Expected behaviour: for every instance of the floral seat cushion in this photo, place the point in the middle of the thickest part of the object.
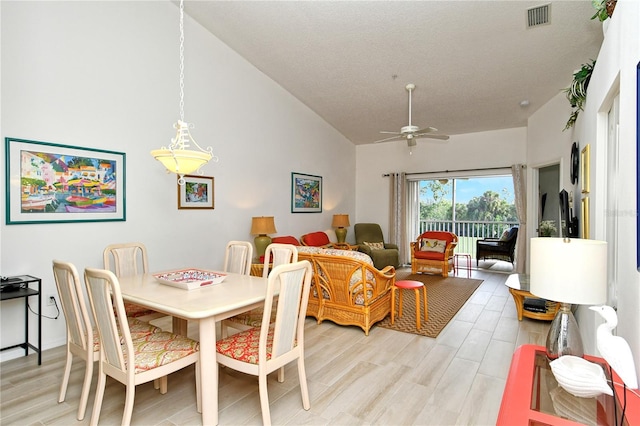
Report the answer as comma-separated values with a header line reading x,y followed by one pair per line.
x,y
243,346
157,349
137,329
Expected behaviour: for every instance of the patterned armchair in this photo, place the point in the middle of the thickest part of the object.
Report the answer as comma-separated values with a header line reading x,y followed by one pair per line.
x,y
433,251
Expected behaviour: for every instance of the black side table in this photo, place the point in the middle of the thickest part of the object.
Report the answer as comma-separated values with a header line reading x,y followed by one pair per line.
x,y
24,290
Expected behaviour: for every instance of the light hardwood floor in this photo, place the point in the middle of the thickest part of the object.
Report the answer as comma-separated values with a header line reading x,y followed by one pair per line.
x,y
386,378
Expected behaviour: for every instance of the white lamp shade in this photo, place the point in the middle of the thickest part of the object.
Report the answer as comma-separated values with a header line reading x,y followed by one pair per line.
x,y
569,270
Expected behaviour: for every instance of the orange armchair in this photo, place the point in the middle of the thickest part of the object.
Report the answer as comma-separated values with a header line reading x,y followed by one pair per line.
x,y
433,251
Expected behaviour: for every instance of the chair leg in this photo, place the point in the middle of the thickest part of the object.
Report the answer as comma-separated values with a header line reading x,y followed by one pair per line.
x,y
417,295
393,303
304,389
86,385
97,405
65,377
128,405
281,374
264,400
426,309
399,303
156,384
163,385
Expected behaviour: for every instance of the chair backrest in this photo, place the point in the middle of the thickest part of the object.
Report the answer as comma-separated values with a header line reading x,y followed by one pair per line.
x,y
237,258
369,232
104,294
78,322
278,254
128,259
292,281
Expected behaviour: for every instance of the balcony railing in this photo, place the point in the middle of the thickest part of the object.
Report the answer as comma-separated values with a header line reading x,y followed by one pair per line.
x,y
468,232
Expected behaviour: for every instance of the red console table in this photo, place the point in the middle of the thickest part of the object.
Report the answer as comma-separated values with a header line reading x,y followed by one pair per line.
x,y
532,396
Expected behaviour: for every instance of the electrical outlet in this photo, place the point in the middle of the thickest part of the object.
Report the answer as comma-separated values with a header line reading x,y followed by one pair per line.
x,y
51,300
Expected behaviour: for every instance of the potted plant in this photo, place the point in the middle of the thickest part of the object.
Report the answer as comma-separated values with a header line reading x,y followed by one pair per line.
x,y
577,91
604,9
547,228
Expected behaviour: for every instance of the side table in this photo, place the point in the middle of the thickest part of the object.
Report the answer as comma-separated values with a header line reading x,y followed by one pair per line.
x,y
456,262
519,288
24,290
532,396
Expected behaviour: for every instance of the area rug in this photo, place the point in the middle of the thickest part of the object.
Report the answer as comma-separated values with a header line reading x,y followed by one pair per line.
x,y
445,297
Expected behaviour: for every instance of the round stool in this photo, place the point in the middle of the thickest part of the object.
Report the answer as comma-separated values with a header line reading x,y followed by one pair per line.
x,y
409,285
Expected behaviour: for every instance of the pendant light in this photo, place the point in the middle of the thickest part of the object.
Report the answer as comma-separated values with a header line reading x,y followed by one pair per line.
x,y
177,158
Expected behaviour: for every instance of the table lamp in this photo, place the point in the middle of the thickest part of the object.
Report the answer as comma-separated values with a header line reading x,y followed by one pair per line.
x,y
340,222
261,226
568,271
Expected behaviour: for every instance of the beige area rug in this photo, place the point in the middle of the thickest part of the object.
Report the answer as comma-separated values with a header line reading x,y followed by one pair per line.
x,y
445,297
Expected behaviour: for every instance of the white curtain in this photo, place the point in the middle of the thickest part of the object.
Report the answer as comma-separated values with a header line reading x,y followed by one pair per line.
x,y
398,216
519,172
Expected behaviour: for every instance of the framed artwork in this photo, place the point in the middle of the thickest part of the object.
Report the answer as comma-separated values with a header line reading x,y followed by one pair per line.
x,y
585,217
53,183
585,156
196,193
306,193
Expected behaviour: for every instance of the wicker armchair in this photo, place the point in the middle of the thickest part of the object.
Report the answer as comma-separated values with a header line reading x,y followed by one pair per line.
x,y
338,293
502,248
433,251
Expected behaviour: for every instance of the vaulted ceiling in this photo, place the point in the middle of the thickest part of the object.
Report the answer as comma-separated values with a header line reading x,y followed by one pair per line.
x,y
473,62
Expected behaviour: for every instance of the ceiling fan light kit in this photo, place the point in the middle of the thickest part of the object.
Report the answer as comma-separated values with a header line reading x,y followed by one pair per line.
x,y
411,133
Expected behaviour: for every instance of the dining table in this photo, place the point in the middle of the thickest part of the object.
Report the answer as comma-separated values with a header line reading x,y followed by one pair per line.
x,y
206,305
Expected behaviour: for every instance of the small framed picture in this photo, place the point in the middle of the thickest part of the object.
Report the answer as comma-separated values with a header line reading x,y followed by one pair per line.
x,y
196,193
585,157
585,218
306,193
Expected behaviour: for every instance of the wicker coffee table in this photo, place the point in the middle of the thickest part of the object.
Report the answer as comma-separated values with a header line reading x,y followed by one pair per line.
x,y
519,288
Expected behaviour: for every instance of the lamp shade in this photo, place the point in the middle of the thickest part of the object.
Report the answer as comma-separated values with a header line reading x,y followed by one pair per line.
x,y
340,221
569,270
263,225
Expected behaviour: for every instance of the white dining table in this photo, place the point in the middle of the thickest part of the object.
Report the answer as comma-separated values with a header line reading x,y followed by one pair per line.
x,y
207,305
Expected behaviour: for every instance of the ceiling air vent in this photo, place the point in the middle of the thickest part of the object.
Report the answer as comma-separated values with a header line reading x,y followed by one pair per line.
x,y
539,15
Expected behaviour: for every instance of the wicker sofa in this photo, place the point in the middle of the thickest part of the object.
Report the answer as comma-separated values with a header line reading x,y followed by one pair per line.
x,y
337,287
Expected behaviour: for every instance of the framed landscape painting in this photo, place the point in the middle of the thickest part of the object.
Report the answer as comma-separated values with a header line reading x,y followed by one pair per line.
x,y
52,183
196,192
306,193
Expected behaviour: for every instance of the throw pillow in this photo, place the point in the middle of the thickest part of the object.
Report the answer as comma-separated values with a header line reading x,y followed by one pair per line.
x,y
374,246
505,235
429,244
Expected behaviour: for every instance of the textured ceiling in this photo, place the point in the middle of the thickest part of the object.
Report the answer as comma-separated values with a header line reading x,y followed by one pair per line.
x,y
472,62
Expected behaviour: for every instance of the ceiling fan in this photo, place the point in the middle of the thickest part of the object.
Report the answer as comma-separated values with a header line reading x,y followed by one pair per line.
x,y
411,133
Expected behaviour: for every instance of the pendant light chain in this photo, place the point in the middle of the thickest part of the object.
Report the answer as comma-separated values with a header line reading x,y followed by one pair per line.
x,y
181,60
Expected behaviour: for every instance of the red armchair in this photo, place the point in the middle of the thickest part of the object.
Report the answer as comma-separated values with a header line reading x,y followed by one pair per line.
x,y
433,251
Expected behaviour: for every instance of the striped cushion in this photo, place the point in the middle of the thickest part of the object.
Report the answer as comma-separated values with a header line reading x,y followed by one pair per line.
x,y
244,346
161,348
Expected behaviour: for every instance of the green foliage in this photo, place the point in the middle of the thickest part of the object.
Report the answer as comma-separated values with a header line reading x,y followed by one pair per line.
x,y
577,92
602,13
490,206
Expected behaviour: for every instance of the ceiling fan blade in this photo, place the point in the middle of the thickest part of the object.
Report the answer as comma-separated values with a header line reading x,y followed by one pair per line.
x,y
427,130
393,138
441,137
390,133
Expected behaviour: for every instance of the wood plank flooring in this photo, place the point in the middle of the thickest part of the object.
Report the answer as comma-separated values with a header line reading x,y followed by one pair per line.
x,y
385,378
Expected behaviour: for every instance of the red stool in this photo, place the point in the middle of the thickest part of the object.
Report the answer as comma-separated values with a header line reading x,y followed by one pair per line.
x,y
409,285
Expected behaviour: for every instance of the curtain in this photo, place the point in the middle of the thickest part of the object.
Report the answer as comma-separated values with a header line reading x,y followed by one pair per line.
x,y
520,188
398,217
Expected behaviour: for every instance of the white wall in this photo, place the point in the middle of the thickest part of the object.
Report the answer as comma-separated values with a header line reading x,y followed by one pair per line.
x,y
105,75
499,148
615,73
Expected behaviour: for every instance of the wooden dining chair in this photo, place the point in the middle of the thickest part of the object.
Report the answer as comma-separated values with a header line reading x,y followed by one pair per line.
x,y
276,254
82,337
260,351
124,260
132,362
237,257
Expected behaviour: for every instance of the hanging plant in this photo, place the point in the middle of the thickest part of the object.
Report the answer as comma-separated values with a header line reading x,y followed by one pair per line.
x,y
577,91
604,9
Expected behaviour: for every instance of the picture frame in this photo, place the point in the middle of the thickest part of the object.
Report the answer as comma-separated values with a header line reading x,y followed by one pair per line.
x,y
50,182
585,157
585,217
306,193
197,192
